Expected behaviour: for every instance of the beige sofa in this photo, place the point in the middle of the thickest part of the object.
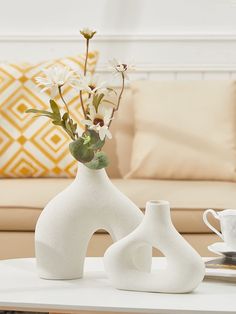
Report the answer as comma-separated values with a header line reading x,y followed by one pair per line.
x,y
22,200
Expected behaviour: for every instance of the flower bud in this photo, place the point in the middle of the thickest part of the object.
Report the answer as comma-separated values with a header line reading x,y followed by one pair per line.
x,y
87,33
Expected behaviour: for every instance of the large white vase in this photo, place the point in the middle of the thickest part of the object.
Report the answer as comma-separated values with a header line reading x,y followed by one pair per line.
x,y
184,268
67,223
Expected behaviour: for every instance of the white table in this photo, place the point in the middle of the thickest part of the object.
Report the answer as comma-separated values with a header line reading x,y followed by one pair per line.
x,y
22,289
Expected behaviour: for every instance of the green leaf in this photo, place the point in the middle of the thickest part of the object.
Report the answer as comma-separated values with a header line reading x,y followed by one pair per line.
x,y
65,116
80,151
39,111
112,90
68,126
95,142
109,102
43,115
100,97
74,127
65,122
86,139
97,98
99,161
95,101
71,135
56,122
55,109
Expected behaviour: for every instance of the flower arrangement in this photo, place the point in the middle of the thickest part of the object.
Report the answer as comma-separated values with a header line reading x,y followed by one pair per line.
x,y
98,109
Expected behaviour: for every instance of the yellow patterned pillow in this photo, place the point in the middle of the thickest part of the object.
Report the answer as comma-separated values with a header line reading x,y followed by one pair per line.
x,y
34,147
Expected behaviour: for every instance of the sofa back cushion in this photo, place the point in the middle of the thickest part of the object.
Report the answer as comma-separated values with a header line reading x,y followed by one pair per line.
x,y
32,147
119,148
184,130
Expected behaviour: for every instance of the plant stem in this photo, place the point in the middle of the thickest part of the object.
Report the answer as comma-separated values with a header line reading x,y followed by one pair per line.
x,y
121,92
86,57
82,104
68,111
85,72
119,98
63,100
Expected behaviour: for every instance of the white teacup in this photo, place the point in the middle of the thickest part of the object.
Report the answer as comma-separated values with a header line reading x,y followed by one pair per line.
x,y
227,220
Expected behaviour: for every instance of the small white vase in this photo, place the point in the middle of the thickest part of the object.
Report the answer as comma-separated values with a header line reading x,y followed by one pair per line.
x,y
67,223
184,267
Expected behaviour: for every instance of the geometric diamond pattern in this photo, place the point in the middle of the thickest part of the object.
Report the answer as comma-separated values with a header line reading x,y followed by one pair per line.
x,y
33,147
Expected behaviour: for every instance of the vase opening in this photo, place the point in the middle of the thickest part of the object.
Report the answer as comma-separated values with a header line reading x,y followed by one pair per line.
x,y
158,202
157,210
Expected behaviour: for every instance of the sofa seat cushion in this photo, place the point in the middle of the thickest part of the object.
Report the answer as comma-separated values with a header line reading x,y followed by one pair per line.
x,y
18,218
21,200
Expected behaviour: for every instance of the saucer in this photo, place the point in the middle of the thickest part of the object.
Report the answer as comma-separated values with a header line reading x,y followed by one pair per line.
x,y
221,248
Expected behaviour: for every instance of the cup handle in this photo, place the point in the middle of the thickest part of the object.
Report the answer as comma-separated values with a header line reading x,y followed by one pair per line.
x,y
211,211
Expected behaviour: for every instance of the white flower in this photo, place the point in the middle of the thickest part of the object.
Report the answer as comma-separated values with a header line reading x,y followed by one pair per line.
x,y
91,84
56,77
99,120
119,67
87,32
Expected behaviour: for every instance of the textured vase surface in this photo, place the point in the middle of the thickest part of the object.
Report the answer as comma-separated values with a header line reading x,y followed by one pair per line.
x,y
184,268
69,220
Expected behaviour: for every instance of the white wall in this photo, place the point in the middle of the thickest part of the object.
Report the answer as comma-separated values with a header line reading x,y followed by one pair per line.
x,y
178,39
117,16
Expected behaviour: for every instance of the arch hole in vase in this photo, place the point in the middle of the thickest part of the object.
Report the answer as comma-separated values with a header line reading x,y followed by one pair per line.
x,y
160,266
155,252
100,239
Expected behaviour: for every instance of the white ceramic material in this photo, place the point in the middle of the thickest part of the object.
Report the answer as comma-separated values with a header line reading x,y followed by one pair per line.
x,y
221,248
227,220
67,223
184,268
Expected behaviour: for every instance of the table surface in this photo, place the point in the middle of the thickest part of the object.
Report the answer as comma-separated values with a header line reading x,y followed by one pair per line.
x,y
21,288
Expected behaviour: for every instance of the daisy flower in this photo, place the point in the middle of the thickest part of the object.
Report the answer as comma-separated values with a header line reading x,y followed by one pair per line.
x,y
87,33
91,84
119,67
99,120
56,77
